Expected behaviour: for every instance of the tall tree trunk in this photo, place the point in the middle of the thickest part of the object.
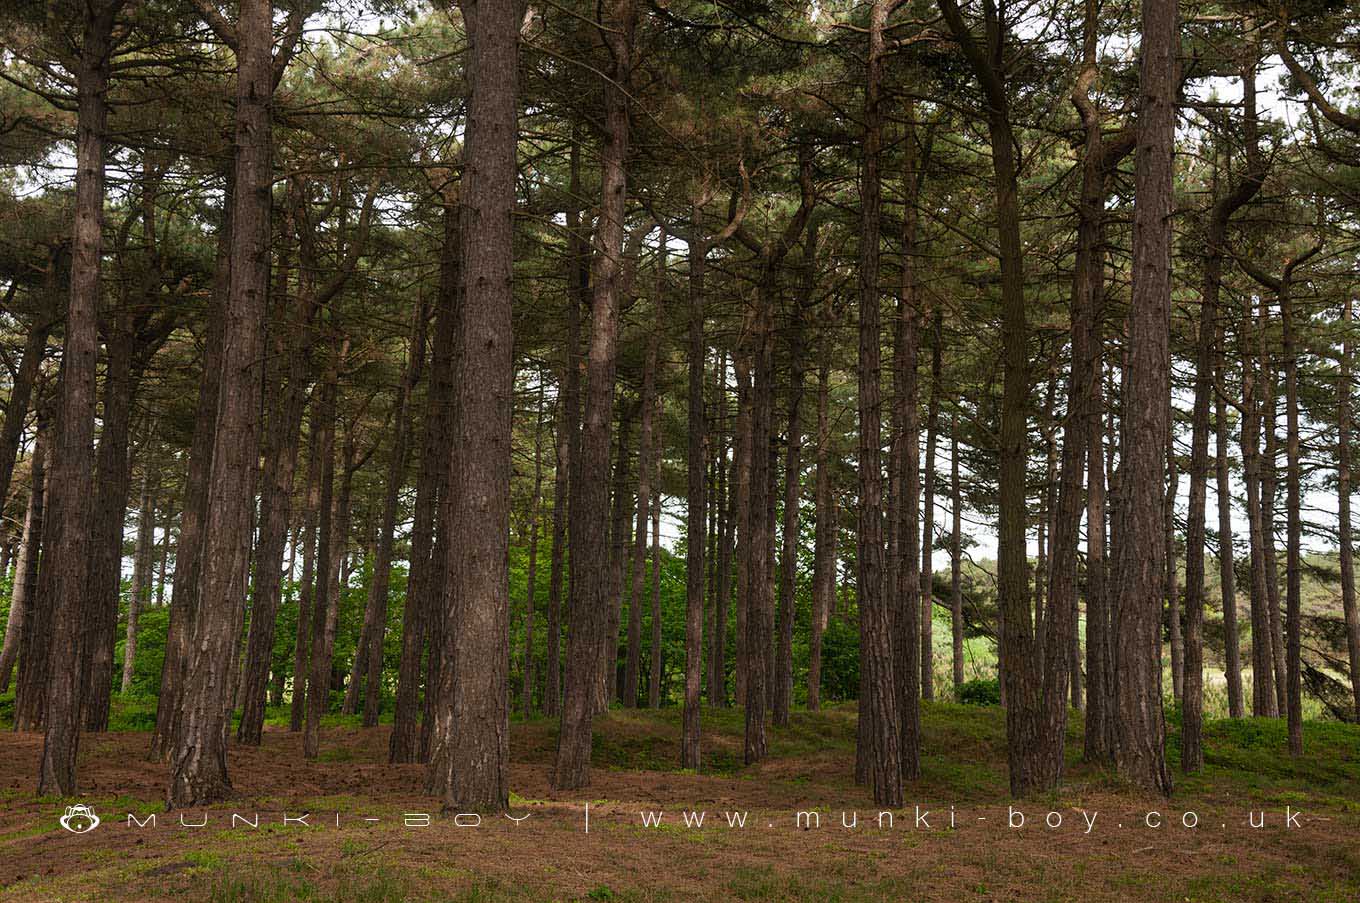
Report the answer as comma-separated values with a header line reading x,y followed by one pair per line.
x,y
654,674
1263,699
531,581
330,549
72,451
21,389
589,600
199,763
880,735
928,512
646,453
1025,751
741,465
1172,592
1294,530
824,525
619,536
726,518
1140,555
955,556
793,490
302,640
1343,491
696,498
1269,488
474,691
1227,574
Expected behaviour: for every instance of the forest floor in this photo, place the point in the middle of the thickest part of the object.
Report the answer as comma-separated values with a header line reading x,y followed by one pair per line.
x,y
383,850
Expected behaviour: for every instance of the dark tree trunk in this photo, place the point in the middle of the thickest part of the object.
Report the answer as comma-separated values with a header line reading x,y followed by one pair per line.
x,y
928,513
531,581
955,556
72,451
622,507
1343,490
422,584
1026,752
307,594
375,616
646,454
1227,573
880,735
1263,699
1269,488
741,465
824,525
140,591
793,491
1140,555
588,608
21,389
654,675
473,703
696,499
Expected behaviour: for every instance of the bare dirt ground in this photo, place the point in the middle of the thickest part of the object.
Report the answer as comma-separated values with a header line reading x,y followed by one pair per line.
x,y
365,834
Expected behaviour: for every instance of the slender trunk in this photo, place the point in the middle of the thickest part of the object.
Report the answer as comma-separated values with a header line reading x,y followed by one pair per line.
x,y
646,453
422,584
1172,592
824,526
589,601
880,736
793,486
1227,573
727,517
696,500
955,555
140,594
21,389
531,581
1343,491
928,512
741,465
1263,699
1294,531
72,450
619,536
307,592
330,544
654,674
1269,487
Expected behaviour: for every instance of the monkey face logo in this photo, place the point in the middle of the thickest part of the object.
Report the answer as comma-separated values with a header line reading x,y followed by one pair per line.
x,y
79,819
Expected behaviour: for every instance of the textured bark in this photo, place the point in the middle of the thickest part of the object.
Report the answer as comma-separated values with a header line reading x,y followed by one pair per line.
x,y
473,704
35,646
1140,563
880,736
72,488
619,519
199,763
422,584
696,498
588,606
1269,487
1172,589
725,516
26,567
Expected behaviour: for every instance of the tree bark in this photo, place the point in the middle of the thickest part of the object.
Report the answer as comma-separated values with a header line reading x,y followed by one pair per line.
x,y
140,591
531,581
1346,551
1140,564
880,735
72,451
588,606
473,704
